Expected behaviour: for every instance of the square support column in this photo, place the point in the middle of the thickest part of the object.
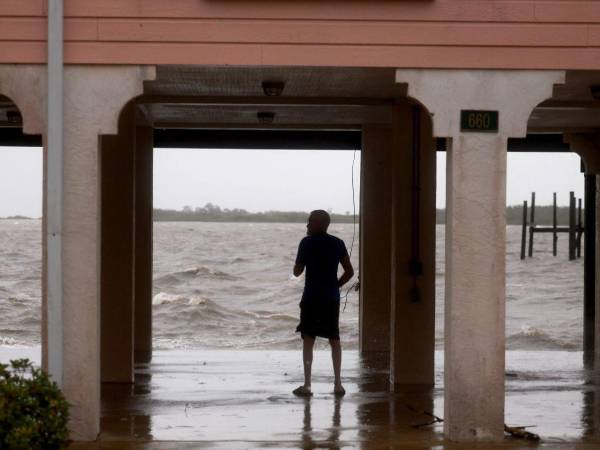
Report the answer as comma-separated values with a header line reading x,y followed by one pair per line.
x,y
476,232
587,145
375,239
94,98
589,266
117,251
144,155
475,287
596,363
413,248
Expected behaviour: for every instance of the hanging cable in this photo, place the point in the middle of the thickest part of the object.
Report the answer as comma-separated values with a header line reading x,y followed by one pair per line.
x,y
353,205
354,285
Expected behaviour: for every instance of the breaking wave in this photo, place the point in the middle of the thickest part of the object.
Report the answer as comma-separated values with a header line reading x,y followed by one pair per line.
x,y
191,273
532,338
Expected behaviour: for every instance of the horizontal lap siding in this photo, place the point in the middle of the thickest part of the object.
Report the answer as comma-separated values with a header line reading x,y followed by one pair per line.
x,y
376,33
307,32
19,8
397,10
347,55
425,33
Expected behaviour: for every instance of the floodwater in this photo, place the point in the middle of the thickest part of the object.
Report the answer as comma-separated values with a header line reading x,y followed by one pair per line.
x,y
187,399
228,287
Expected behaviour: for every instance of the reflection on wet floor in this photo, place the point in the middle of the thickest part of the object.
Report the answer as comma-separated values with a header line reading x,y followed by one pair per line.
x,y
242,399
246,396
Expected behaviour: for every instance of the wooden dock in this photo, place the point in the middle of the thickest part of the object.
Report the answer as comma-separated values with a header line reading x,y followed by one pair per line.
x,y
574,229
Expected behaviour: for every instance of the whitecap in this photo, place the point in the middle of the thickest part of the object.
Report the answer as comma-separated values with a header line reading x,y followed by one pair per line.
x,y
163,297
532,338
7,340
197,300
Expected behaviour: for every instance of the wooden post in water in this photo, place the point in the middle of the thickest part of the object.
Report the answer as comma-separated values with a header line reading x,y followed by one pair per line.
x,y
572,226
554,225
524,230
531,224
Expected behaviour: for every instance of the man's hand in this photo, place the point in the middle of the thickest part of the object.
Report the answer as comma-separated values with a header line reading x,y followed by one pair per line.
x,y
298,269
348,271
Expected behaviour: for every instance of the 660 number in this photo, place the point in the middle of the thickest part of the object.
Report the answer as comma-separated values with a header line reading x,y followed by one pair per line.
x,y
481,121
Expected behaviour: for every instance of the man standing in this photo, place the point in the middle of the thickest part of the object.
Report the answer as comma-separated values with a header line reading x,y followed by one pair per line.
x,y
321,253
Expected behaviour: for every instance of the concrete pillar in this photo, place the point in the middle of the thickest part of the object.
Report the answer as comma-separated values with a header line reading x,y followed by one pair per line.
x,y
476,232
144,152
413,248
375,238
596,363
475,287
94,97
587,145
117,250
589,271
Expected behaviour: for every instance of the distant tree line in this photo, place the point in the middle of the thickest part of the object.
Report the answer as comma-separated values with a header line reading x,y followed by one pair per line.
x,y
17,218
514,215
214,213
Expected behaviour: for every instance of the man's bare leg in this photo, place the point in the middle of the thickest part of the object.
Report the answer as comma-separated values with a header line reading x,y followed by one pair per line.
x,y
307,359
336,357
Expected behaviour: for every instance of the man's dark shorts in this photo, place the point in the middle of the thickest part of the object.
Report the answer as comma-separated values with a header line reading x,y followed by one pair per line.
x,y
320,319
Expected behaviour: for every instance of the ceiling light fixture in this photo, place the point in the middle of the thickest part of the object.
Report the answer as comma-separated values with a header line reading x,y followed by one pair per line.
x,y
14,117
273,88
265,117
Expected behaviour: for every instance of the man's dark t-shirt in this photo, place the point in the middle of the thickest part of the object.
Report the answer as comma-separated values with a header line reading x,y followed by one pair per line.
x,y
321,255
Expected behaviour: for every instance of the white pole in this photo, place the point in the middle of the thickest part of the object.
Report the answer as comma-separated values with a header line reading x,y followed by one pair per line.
x,y
54,217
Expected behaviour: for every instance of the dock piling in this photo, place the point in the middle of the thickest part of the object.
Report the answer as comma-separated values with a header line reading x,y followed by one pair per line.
x,y
532,224
574,229
524,230
572,226
554,226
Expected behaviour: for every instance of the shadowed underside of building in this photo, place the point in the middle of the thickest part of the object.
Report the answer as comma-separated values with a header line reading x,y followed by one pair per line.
x,y
409,76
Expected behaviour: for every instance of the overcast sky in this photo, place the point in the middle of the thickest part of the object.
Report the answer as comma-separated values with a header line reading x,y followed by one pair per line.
x,y
269,179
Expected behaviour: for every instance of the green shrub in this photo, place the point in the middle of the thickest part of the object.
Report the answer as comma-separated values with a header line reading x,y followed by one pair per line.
x,y
33,410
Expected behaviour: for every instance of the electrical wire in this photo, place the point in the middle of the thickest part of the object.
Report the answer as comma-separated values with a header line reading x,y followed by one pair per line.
x,y
354,285
353,205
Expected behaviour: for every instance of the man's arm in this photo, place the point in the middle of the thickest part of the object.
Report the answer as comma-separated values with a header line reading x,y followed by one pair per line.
x,y
348,271
298,269
300,258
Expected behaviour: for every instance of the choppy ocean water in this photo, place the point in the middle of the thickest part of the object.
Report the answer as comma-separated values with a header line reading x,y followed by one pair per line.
x,y
229,285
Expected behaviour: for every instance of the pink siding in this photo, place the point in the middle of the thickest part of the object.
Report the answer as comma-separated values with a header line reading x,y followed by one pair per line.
x,y
392,33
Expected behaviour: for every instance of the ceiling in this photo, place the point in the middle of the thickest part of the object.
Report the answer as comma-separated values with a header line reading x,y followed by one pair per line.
x,y
323,97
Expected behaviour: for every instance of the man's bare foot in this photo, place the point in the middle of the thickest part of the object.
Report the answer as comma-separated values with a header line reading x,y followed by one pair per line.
x,y
302,391
339,390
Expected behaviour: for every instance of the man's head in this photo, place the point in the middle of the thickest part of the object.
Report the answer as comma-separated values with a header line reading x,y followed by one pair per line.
x,y
318,222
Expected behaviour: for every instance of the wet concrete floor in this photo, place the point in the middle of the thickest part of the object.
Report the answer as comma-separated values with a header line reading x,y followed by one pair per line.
x,y
242,399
